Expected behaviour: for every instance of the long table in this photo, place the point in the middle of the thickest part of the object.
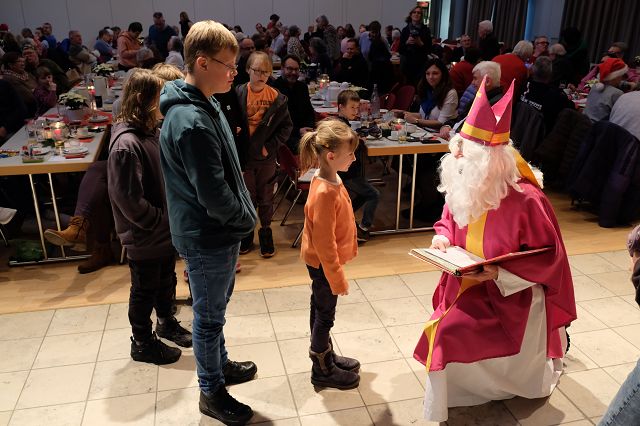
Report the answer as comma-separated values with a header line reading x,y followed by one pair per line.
x,y
384,147
13,166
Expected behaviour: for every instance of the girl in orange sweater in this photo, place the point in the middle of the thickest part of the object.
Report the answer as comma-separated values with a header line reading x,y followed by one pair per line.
x,y
328,242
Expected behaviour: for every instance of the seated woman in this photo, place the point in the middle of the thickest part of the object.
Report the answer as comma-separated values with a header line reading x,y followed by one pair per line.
x,y
605,93
438,103
318,55
92,221
13,72
438,98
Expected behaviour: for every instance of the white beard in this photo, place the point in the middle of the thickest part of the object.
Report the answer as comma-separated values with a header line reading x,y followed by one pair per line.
x,y
478,181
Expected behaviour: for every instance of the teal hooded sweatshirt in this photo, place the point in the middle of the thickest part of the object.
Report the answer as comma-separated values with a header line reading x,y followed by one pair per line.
x,y
208,203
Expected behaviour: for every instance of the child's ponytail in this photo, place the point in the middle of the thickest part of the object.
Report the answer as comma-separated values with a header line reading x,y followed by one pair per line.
x,y
329,134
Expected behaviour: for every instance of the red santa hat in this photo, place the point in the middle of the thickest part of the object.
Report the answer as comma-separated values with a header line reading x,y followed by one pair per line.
x,y
612,68
486,124
609,69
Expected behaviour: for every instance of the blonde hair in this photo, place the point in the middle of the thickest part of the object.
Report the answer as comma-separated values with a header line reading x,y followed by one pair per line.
x,y
207,38
259,57
167,72
138,102
328,137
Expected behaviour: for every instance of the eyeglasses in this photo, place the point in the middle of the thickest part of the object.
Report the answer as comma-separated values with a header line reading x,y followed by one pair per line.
x,y
233,68
260,72
542,42
290,69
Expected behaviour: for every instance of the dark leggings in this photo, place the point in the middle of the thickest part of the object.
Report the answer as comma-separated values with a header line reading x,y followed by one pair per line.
x,y
323,309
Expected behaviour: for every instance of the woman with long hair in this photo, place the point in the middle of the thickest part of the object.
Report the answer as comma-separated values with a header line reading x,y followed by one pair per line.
x,y
415,45
438,98
136,191
185,24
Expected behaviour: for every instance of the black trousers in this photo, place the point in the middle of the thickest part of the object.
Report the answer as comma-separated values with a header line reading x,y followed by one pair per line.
x,y
152,286
323,309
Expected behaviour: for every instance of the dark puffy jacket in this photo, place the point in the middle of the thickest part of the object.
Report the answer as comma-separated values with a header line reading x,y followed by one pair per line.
x,y
273,130
606,173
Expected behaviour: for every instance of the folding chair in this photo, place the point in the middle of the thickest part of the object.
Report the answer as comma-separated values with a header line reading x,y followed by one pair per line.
x,y
290,167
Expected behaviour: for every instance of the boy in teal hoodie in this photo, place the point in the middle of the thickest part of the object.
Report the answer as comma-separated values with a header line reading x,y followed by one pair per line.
x,y
210,210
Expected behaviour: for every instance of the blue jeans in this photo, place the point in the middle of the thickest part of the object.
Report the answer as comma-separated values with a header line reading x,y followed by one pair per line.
x,y
625,408
364,195
212,274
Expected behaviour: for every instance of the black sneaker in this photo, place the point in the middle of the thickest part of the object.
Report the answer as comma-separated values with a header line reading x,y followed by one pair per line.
x,y
246,245
154,351
238,372
172,330
363,235
222,406
266,242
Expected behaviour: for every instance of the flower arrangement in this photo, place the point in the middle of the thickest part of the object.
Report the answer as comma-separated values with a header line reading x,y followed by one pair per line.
x,y
72,100
103,70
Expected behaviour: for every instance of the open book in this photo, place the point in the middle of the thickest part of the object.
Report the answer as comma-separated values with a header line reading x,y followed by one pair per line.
x,y
457,261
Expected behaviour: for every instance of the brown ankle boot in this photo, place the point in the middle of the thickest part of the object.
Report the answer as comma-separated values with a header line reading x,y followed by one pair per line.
x,y
75,236
101,256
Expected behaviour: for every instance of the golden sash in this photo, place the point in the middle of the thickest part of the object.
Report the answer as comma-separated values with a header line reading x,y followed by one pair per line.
x,y
474,244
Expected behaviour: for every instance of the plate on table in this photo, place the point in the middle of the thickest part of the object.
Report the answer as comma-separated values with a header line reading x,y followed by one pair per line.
x,y
42,150
317,102
98,119
422,134
75,150
116,87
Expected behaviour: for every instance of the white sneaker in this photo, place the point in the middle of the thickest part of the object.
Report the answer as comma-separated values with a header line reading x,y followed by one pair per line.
x,y
6,214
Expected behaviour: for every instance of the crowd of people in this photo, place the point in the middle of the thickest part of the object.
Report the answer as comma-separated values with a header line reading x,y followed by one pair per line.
x,y
192,163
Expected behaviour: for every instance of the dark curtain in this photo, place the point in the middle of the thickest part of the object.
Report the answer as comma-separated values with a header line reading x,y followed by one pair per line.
x,y
434,18
603,23
509,21
479,10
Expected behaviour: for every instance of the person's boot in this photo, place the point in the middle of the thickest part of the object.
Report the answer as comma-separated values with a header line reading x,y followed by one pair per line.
x,y
75,236
236,372
225,408
154,351
246,245
325,373
267,249
171,329
344,362
101,256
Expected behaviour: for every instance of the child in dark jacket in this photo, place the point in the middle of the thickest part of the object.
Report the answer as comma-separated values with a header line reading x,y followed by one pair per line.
x,y
45,93
363,194
267,116
136,191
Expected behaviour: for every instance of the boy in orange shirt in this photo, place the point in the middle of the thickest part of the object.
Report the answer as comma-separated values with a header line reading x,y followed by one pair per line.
x,y
328,242
267,117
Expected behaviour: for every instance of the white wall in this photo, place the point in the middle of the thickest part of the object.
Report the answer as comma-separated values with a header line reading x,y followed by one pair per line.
x,y
89,16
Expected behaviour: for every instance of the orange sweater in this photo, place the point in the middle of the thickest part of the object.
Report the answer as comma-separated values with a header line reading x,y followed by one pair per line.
x,y
329,236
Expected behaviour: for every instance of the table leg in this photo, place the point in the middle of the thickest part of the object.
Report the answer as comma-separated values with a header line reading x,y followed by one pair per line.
x,y
55,209
37,210
413,190
399,194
